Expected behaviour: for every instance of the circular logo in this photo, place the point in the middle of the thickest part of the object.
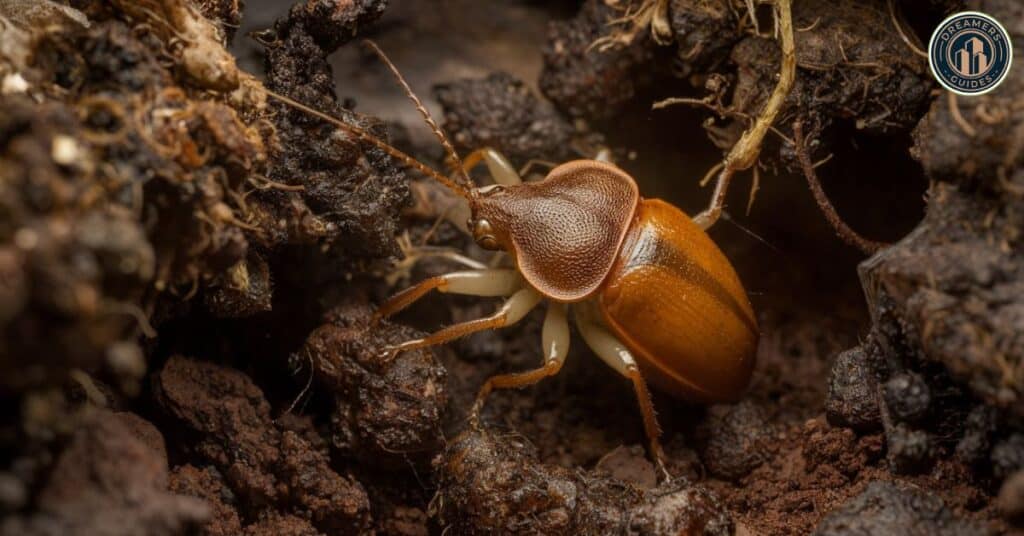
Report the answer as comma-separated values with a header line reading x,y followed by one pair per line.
x,y
970,53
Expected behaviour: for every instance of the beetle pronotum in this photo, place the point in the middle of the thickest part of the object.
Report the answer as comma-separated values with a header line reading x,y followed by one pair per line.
x,y
650,292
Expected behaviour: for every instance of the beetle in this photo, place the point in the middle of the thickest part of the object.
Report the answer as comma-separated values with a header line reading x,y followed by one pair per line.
x,y
650,292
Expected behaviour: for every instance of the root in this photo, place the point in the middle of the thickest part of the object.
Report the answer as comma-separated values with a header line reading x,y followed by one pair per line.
x,y
844,231
651,14
958,118
899,29
744,154
755,185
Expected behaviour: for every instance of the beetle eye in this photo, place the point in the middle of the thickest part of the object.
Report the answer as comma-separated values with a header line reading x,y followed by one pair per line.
x,y
483,233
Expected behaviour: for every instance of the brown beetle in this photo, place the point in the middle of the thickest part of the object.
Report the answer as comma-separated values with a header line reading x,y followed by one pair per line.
x,y
651,293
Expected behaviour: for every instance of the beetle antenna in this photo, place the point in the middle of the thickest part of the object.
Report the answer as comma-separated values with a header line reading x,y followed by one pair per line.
x,y
363,135
728,218
448,148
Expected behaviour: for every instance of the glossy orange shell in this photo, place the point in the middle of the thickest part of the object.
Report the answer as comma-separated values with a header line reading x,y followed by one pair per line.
x,y
674,299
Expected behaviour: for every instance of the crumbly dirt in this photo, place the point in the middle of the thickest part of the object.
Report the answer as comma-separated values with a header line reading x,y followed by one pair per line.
x,y
188,271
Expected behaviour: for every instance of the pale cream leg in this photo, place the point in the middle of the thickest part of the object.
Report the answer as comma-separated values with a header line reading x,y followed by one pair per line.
x,y
555,341
500,168
487,282
514,309
611,350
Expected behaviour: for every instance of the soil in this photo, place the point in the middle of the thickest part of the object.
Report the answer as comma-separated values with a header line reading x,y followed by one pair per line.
x,y
189,269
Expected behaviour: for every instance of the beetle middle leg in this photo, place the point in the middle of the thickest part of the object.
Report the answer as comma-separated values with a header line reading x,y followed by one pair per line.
x,y
513,310
486,283
613,352
555,342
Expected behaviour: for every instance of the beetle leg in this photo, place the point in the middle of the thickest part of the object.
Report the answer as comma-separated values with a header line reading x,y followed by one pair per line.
x,y
613,352
536,162
514,309
487,282
555,341
710,215
500,168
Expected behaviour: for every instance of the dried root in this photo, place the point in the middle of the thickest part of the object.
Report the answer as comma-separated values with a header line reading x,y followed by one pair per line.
x,y
651,14
200,43
843,230
744,154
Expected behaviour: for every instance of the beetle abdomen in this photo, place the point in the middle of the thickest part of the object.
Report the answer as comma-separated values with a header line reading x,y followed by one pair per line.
x,y
674,299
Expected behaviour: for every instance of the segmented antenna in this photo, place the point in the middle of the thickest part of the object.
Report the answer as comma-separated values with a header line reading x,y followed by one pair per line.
x,y
448,148
363,135
728,218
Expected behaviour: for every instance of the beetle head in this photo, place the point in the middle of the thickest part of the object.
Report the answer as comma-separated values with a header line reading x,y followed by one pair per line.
x,y
563,232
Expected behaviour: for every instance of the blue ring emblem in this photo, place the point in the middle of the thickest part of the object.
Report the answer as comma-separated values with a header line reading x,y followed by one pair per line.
x,y
970,53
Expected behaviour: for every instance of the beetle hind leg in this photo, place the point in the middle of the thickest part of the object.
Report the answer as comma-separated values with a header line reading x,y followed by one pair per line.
x,y
555,341
613,352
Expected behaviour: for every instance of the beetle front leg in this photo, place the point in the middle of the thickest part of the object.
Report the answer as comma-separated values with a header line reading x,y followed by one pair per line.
x,y
514,309
487,283
555,341
500,168
613,352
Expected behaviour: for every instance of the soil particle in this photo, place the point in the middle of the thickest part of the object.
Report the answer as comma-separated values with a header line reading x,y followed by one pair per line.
x,y
957,281
908,450
276,524
704,32
692,510
734,439
501,112
208,484
907,397
889,508
351,194
388,410
852,398
1011,499
263,465
593,82
226,13
852,68
245,291
1008,456
811,469
629,464
493,484
979,430
68,267
13,493
108,481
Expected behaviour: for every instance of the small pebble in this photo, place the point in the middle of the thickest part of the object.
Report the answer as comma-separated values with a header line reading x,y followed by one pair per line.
x,y
13,494
1008,456
852,399
909,450
907,396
